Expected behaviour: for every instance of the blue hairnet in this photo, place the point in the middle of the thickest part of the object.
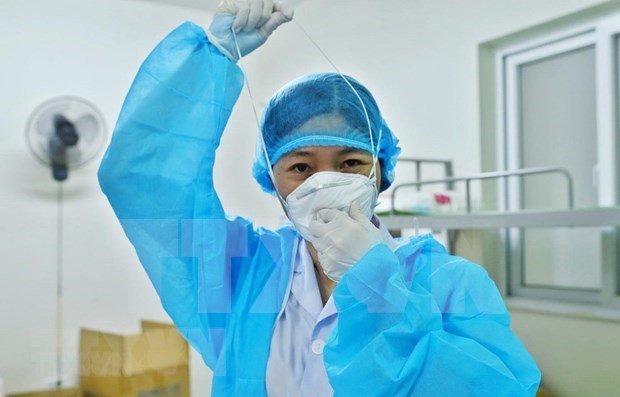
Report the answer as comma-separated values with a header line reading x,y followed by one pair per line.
x,y
322,110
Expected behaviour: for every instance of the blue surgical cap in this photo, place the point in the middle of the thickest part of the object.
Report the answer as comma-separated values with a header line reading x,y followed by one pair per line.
x,y
322,110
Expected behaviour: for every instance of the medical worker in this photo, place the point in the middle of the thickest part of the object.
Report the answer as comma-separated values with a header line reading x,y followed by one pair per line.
x,y
329,304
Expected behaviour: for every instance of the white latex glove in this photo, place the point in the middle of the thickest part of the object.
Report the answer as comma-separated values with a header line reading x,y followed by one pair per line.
x,y
252,20
342,239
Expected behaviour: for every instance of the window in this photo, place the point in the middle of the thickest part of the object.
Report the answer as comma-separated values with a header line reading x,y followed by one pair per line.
x,y
556,105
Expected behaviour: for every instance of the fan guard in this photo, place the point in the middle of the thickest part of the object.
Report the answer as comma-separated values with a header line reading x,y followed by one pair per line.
x,y
65,133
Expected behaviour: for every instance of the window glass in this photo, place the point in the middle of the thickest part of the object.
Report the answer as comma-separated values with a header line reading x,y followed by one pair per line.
x,y
557,97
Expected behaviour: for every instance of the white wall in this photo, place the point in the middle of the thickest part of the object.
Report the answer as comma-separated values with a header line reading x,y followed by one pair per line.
x,y
92,49
419,57
578,356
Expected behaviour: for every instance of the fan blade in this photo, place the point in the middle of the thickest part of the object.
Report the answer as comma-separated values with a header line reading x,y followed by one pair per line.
x,y
87,128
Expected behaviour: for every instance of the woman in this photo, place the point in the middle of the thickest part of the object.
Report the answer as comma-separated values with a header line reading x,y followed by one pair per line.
x,y
330,304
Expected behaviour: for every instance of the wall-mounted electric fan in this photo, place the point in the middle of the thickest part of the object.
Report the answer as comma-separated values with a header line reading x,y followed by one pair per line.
x,y
65,133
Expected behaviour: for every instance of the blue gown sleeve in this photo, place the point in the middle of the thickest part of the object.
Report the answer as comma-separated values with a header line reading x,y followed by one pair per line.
x,y
158,176
424,323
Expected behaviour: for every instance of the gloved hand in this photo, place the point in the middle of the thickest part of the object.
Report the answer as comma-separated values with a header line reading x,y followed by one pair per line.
x,y
342,239
252,20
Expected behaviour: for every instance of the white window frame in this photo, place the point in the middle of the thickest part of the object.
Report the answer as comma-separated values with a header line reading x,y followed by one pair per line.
x,y
601,34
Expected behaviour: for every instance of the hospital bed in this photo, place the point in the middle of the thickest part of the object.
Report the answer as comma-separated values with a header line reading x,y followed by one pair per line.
x,y
450,224
398,219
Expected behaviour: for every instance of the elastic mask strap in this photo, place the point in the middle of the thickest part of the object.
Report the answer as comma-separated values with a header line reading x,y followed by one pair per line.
x,y
375,151
260,132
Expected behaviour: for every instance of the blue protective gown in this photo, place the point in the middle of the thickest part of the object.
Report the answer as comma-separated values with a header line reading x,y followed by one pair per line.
x,y
417,322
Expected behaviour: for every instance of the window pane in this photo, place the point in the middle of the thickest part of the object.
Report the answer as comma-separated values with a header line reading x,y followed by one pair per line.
x,y
569,258
558,129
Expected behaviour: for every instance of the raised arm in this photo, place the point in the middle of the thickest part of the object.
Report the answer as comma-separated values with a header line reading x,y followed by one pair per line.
x,y
158,170
158,173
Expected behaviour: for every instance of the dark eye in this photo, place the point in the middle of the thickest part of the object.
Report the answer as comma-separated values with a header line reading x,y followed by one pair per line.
x,y
300,167
350,163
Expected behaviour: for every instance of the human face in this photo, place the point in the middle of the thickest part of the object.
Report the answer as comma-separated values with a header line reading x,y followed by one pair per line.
x,y
298,165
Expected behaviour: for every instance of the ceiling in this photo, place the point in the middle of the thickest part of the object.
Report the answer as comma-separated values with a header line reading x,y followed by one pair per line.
x,y
207,5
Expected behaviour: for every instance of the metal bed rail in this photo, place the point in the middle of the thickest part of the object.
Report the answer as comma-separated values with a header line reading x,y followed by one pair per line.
x,y
447,164
490,175
586,217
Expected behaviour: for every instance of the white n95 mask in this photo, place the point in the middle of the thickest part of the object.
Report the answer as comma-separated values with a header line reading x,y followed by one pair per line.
x,y
334,190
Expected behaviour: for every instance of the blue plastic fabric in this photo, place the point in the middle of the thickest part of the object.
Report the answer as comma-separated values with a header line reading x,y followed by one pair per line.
x,y
417,322
321,97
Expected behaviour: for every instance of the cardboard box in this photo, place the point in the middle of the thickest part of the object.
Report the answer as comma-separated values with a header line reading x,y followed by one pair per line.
x,y
50,393
154,363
